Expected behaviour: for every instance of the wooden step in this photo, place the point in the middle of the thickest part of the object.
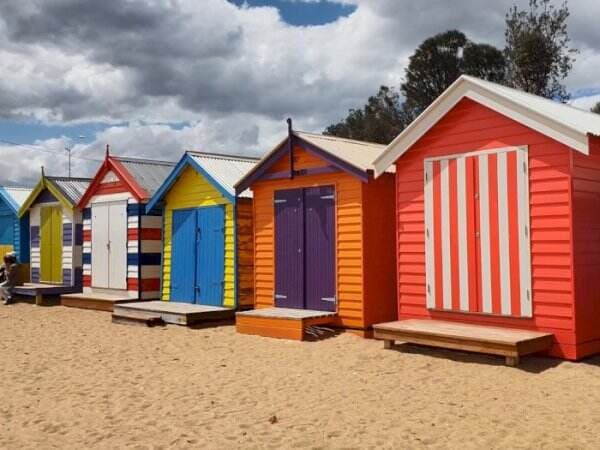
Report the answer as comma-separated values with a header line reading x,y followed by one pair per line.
x,y
95,301
508,342
282,323
137,318
177,313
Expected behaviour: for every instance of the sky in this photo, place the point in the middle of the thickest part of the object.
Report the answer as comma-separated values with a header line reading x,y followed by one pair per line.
x,y
153,78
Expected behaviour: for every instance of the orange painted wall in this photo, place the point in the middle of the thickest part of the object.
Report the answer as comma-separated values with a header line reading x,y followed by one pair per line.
x,y
586,232
379,251
353,310
468,127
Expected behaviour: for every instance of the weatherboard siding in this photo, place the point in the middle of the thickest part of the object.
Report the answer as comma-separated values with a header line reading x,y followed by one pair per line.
x,y
244,229
469,127
586,230
192,190
349,235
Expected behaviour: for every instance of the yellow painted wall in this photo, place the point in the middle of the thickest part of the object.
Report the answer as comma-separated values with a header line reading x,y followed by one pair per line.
x,y
191,190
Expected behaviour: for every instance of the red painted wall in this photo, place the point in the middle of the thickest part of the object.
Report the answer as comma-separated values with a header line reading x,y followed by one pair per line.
x,y
586,232
469,127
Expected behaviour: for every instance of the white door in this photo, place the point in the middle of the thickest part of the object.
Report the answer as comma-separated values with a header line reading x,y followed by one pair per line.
x,y
117,265
100,245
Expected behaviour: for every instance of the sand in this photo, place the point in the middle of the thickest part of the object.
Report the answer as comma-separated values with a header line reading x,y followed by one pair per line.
x,y
72,379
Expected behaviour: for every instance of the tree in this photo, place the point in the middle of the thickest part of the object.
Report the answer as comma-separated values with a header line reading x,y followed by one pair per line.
x,y
440,60
596,108
537,49
380,120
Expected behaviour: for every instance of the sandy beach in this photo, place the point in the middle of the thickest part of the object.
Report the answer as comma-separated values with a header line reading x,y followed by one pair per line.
x,y
72,379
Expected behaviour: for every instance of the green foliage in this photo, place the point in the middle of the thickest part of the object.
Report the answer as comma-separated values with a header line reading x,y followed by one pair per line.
x,y
380,120
537,49
440,60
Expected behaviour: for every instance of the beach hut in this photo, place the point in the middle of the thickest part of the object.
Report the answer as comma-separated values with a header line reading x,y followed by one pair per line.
x,y
207,237
497,197
55,236
323,237
121,241
14,231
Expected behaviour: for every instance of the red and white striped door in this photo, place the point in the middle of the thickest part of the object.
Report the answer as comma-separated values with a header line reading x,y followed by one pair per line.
x,y
477,249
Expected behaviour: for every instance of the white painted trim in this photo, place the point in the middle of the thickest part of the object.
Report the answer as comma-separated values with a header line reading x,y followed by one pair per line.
x,y
491,151
503,235
446,254
429,237
107,198
463,259
466,87
484,234
524,233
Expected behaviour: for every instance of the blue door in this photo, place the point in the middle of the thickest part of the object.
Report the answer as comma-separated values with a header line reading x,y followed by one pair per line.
x,y
198,256
210,267
183,256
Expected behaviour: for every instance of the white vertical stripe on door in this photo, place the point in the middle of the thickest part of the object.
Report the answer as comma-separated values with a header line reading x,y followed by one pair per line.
x,y
429,235
484,233
463,263
524,233
446,257
503,237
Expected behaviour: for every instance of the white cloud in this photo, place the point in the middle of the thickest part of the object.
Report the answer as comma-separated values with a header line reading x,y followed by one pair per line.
x,y
233,73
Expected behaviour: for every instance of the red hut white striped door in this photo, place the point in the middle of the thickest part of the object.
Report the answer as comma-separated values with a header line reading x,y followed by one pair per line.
x,y
477,247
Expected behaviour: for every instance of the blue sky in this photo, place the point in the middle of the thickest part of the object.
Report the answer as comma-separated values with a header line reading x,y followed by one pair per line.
x,y
155,78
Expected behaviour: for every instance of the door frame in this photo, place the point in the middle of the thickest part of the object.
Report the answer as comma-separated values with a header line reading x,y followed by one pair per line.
x,y
107,204
335,186
524,214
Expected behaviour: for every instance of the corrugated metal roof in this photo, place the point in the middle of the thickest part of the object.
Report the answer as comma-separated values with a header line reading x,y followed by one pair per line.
x,y
356,153
149,174
225,169
18,194
72,188
578,119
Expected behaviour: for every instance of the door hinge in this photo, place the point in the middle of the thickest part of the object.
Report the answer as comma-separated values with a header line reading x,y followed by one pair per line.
x,y
279,296
328,299
528,295
524,167
427,233
426,176
526,231
328,197
429,289
280,200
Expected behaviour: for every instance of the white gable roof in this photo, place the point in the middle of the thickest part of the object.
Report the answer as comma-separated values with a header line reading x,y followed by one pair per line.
x,y
563,123
225,169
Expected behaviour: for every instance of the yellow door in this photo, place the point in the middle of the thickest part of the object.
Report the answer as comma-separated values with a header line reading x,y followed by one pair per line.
x,y
51,245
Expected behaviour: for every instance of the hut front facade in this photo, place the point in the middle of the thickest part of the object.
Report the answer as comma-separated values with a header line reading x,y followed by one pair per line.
x,y
121,240
323,238
207,235
497,198
14,231
55,225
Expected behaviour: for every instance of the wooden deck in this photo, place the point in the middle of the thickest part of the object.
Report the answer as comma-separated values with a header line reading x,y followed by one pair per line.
x,y
97,301
43,292
508,342
171,312
282,323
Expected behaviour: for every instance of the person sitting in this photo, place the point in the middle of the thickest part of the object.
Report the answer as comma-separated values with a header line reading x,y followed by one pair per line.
x,y
8,277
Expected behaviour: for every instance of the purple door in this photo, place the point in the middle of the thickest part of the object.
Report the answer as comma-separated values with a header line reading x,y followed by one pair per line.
x,y
319,219
289,249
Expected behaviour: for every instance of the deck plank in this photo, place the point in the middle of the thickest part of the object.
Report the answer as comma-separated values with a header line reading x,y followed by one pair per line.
x,y
509,342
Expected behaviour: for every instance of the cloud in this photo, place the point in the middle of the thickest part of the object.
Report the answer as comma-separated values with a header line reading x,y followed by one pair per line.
x,y
232,73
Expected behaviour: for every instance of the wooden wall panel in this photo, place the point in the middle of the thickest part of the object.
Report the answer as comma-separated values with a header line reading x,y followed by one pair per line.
x,y
349,237
469,127
245,253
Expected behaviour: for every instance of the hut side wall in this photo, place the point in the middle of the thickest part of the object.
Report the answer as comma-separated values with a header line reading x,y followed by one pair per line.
x,y
349,236
586,235
468,127
191,190
380,255
245,253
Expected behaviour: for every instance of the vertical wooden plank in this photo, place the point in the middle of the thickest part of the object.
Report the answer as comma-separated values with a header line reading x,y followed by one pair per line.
x,y
100,242
183,257
117,232
210,255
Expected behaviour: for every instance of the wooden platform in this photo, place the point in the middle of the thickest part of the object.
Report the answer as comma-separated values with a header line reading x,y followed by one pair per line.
x,y
43,292
96,301
508,342
283,323
172,312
